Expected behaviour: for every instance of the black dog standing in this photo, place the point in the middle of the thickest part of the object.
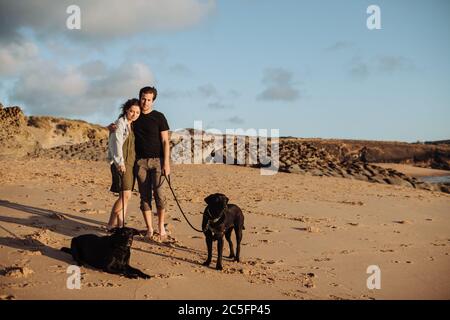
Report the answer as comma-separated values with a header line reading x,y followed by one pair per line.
x,y
219,219
109,253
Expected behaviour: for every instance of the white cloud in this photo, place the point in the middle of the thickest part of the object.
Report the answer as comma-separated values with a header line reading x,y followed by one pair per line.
x,y
279,85
15,56
236,120
101,19
382,65
208,90
50,90
391,64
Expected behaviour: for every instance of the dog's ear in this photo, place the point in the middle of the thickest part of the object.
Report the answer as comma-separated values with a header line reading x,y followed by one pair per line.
x,y
210,198
224,199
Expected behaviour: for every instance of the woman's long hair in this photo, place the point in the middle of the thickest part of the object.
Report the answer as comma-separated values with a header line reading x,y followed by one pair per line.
x,y
127,105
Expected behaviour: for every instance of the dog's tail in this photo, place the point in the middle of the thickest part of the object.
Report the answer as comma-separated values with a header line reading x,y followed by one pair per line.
x,y
66,250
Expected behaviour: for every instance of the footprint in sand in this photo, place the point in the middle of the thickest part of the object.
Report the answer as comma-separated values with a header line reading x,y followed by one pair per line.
x,y
308,279
403,222
16,272
168,275
309,229
103,284
322,259
271,230
407,261
30,252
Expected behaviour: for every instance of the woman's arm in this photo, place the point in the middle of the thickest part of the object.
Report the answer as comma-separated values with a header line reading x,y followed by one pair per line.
x,y
116,144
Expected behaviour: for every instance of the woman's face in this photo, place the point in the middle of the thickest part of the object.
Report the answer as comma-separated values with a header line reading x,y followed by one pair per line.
x,y
133,113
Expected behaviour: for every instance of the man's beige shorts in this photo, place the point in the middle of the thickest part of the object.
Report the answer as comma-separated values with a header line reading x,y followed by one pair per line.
x,y
150,182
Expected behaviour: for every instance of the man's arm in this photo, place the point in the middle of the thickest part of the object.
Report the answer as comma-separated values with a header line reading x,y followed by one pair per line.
x,y
166,152
111,127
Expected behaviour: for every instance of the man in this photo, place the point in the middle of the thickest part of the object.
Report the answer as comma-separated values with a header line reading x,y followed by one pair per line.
x,y
152,159
152,145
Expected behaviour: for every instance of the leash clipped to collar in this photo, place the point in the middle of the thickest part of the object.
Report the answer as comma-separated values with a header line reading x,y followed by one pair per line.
x,y
218,218
179,207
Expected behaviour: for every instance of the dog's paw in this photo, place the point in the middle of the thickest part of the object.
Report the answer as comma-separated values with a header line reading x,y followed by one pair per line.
x,y
219,267
206,263
145,276
236,259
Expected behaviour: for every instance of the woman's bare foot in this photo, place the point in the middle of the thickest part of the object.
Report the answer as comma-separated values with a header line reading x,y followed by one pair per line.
x,y
149,234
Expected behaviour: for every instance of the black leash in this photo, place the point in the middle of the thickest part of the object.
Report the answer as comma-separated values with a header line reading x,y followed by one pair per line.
x,y
179,207
123,200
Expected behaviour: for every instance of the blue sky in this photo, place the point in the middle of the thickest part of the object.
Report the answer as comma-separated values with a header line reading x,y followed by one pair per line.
x,y
307,68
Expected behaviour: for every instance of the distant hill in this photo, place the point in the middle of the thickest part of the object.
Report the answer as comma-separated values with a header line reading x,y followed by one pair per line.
x,y
21,135
438,142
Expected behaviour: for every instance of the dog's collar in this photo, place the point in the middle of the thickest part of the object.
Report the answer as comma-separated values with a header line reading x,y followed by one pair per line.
x,y
210,219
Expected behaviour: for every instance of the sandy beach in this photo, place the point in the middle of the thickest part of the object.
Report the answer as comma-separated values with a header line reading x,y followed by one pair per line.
x,y
306,237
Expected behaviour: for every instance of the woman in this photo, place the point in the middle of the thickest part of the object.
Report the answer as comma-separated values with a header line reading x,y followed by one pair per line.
x,y
121,155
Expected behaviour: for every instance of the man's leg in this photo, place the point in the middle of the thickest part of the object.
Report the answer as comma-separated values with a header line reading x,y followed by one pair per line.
x,y
144,184
148,221
161,215
157,184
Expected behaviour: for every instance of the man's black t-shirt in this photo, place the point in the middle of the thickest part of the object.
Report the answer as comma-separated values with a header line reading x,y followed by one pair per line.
x,y
147,130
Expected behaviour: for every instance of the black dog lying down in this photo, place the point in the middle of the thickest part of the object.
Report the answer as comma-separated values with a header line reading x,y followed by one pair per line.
x,y
219,219
109,253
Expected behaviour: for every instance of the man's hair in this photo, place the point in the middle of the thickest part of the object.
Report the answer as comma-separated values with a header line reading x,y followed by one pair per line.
x,y
145,90
127,105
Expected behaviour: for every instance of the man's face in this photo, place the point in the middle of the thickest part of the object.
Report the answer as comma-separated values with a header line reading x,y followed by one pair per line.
x,y
146,101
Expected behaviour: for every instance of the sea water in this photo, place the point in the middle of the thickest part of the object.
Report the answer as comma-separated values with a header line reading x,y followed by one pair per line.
x,y
435,179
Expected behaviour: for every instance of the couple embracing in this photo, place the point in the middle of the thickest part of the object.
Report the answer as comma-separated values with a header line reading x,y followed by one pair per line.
x,y
139,148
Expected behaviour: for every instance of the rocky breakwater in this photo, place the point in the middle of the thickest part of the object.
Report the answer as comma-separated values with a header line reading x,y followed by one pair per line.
x,y
304,158
298,157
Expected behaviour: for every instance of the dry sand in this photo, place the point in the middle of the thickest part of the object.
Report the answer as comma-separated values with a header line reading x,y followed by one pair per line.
x,y
414,171
306,237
